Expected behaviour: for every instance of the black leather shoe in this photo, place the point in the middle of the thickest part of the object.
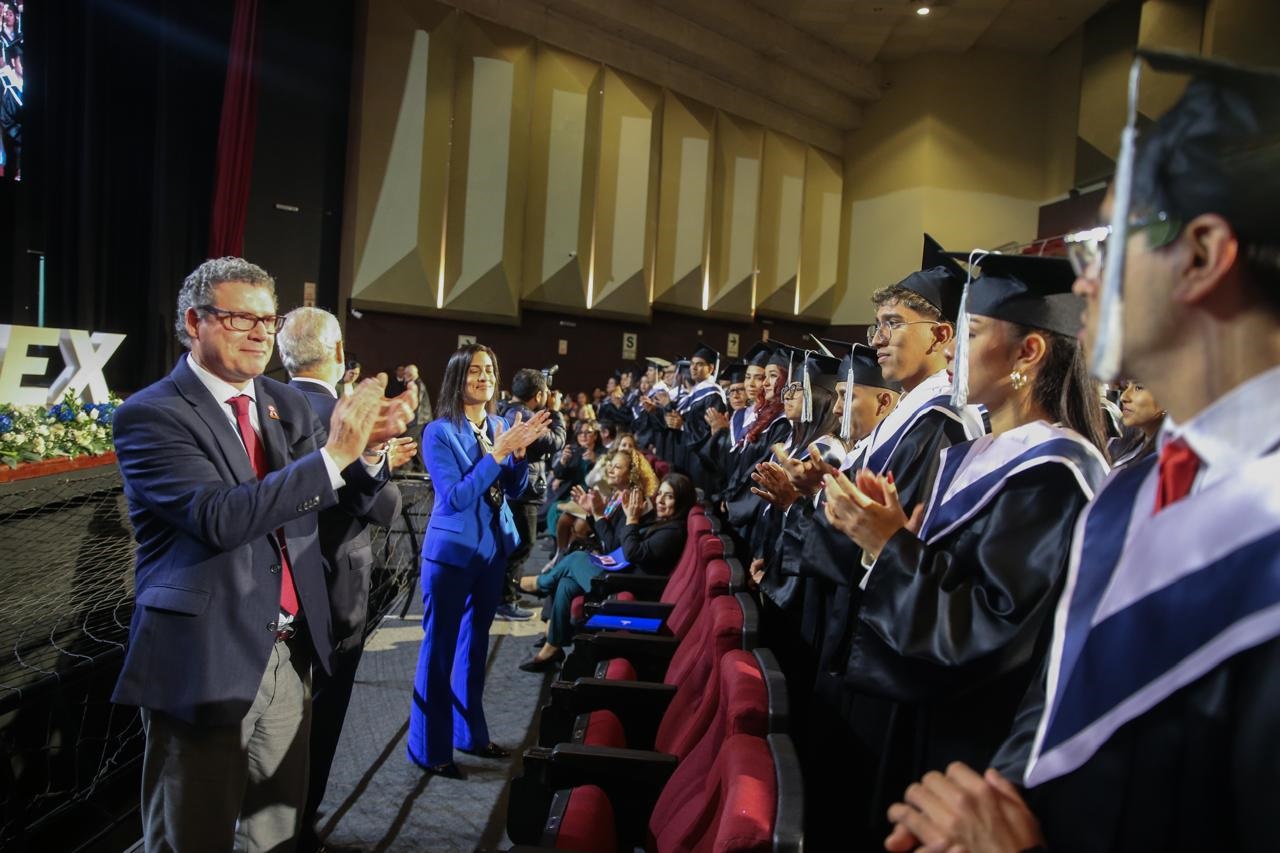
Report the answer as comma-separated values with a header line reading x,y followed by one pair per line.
x,y
547,665
447,771
492,750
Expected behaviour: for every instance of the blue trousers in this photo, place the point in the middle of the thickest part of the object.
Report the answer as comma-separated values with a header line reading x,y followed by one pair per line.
x,y
566,580
448,691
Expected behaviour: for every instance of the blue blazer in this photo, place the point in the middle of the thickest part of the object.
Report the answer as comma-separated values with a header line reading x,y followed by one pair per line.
x,y
461,531
207,581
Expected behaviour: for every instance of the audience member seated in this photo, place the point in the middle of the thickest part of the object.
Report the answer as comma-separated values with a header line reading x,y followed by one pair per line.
x,y
632,539
572,466
572,524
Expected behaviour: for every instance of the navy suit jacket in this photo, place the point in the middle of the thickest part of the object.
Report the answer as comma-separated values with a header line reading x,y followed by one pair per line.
x,y
461,530
207,578
345,543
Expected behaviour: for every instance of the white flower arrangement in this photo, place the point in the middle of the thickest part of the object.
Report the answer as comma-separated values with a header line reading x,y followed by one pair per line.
x,y
67,429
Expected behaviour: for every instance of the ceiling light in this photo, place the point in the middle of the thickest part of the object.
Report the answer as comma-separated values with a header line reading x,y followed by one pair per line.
x,y
922,10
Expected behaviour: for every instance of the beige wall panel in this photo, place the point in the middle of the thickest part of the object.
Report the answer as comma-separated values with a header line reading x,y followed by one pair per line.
x,y
406,96
735,214
820,235
684,188
1243,31
556,260
618,283
484,234
781,209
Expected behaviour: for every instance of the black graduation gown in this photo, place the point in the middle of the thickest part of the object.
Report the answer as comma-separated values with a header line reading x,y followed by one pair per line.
x,y
741,505
856,724
693,436
953,632
1200,771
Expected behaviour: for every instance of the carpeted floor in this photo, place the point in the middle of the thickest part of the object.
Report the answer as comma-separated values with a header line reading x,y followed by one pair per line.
x,y
377,800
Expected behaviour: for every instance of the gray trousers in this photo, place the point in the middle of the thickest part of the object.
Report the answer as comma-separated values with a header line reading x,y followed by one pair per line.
x,y
241,787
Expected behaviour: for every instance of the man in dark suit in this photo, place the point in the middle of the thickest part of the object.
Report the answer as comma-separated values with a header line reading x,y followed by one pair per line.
x,y
312,351
225,471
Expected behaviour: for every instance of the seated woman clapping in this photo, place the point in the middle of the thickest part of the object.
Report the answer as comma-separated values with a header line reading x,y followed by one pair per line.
x,y
635,539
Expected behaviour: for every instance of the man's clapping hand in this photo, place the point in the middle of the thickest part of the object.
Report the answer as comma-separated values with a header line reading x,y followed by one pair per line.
x,y
365,418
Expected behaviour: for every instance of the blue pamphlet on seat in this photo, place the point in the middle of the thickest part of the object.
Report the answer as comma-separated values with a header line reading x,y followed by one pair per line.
x,y
625,623
611,562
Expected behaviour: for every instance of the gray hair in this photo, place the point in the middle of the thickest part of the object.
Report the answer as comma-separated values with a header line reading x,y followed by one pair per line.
x,y
307,338
198,287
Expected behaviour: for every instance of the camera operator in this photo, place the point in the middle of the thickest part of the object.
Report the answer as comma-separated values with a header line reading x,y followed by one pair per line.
x,y
530,394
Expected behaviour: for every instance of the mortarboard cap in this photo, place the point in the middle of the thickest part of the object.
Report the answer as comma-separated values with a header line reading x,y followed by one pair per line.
x,y
783,355
939,281
758,355
1029,290
660,363
706,353
735,371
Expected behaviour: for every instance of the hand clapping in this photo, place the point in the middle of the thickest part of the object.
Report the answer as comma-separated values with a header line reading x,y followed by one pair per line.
x,y
514,439
716,419
592,501
365,418
960,810
868,511
634,504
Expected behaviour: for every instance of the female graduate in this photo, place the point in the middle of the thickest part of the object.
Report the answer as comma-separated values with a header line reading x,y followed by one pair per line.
x,y
476,466
650,543
956,607
1142,417
770,426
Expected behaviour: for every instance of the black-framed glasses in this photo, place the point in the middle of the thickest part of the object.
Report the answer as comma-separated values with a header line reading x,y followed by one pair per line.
x,y
1087,249
239,321
888,327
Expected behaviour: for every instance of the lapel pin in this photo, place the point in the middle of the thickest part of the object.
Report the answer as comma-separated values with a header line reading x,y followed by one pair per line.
x,y
272,413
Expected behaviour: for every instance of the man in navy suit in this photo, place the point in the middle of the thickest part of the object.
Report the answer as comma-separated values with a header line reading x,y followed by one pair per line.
x,y
225,471
312,351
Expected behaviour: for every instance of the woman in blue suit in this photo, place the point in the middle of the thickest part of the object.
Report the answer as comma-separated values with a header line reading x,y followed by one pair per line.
x,y
476,466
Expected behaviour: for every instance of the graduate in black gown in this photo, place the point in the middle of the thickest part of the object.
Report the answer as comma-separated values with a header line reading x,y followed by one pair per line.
x,y
1157,728
768,426
952,623
689,419
915,322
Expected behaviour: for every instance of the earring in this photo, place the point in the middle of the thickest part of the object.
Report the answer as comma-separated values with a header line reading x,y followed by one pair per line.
x,y
1018,379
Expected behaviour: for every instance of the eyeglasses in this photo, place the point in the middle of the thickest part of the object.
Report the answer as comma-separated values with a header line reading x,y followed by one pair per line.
x,y
888,327
238,321
1087,249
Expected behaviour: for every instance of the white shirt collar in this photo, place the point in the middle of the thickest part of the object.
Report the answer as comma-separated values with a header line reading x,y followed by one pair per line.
x,y
221,390
1235,429
319,383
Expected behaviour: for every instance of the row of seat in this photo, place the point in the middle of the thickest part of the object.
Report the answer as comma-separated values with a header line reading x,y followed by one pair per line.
x,y
675,741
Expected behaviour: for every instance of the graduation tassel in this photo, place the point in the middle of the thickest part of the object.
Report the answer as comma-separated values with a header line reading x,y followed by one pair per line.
x,y
806,407
960,366
1108,344
846,420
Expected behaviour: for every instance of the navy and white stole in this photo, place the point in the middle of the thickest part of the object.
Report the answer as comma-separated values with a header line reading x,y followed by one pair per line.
x,y
973,473
1155,602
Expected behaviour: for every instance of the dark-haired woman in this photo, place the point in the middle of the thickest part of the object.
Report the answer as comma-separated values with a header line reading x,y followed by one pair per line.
x,y
953,621
770,426
650,542
1142,418
476,465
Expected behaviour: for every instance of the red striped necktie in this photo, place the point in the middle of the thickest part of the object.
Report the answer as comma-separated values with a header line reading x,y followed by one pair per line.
x,y
1178,468
258,456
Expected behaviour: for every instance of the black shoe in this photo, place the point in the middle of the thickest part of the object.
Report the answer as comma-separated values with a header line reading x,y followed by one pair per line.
x,y
447,771
492,750
547,665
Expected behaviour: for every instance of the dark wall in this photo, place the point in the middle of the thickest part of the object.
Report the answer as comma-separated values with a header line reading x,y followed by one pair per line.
x,y
300,151
381,341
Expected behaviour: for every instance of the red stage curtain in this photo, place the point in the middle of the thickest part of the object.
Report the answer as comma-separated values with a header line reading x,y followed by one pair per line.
x,y
234,167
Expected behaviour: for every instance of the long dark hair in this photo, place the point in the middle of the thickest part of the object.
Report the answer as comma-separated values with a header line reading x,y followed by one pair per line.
x,y
682,490
824,420
1064,388
450,405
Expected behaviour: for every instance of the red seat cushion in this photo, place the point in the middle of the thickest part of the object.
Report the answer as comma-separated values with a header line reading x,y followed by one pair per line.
x,y
688,716
616,669
695,642
690,600
625,595
587,823
578,610
603,728
734,810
